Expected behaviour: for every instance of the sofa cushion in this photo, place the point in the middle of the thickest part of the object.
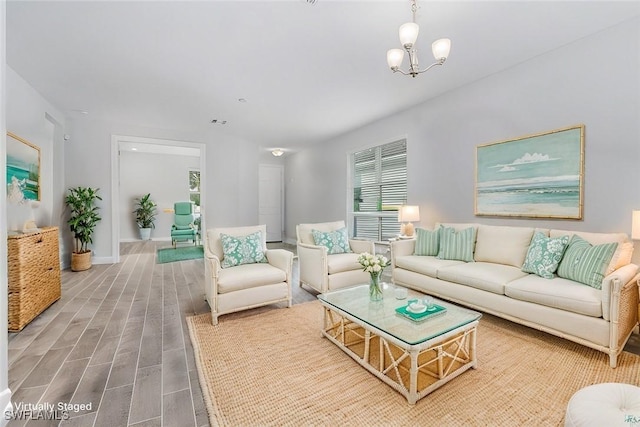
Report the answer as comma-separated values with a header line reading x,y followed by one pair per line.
x,y
456,245
502,245
427,265
544,255
343,262
427,242
586,263
558,293
336,242
481,275
242,250
248,276
622,255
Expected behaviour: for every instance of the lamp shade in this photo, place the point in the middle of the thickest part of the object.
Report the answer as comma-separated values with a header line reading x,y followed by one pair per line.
x,y
441,48
409,213
408,34
635,225
395,57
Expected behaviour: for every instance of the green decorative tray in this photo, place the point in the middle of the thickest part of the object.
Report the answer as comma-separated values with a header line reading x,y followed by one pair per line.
x,y
434,311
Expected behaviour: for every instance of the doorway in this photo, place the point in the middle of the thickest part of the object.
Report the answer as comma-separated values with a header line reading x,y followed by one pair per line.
x,y
271,200
158,147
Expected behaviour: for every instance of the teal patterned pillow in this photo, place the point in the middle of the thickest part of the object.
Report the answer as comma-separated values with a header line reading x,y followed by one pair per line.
x,y
544,255
242,250
427,242
456,245
586,263
336,242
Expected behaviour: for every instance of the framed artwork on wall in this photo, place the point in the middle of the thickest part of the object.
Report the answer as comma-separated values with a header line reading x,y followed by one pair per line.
x,y
23,169
535,176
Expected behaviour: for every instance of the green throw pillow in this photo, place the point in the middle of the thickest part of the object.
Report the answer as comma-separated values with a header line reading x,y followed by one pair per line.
x,y
586,263
336,242
544,255
456,245
242,250
427,242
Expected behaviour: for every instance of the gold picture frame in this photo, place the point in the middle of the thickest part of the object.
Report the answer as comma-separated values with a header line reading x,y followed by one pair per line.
x,y
533,176
23,166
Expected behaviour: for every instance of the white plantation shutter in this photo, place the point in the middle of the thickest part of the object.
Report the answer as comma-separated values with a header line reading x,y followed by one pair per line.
x,y
379,185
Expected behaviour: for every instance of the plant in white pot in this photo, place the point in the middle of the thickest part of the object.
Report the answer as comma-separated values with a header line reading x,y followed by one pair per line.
x,y
82,222
145,213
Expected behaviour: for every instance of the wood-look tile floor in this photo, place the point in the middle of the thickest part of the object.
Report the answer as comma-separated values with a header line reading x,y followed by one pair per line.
x,y
117,340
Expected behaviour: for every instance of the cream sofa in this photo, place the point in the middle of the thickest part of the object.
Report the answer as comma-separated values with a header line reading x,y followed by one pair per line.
x,y
324,272
494,283
249,285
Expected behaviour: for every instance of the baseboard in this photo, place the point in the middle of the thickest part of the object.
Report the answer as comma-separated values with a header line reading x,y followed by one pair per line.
x,y
103,260
5,404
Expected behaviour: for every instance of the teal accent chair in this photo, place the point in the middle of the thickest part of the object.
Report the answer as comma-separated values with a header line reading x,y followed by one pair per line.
x,y
183,228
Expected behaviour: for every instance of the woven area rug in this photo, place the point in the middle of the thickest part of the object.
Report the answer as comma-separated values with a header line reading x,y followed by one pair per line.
x,y
179,254
270,366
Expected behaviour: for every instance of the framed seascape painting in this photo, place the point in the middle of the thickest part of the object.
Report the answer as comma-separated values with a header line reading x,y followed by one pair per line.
x,y
23,169
536,176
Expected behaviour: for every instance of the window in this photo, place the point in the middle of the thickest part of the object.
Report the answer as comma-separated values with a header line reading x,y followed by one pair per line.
x,y
194,189
379,181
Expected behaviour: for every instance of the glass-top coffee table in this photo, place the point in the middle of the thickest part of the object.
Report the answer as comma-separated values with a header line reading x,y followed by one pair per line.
x,y
413,357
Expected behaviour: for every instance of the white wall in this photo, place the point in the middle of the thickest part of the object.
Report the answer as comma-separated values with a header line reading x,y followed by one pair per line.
x,y
571,85
5,393
232,172
164,176
36,120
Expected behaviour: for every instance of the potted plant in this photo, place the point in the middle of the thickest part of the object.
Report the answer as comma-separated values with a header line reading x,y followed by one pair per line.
x,y
82,222
145,215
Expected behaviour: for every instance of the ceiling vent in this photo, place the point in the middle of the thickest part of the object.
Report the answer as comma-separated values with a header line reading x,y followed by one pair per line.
x,y
219,122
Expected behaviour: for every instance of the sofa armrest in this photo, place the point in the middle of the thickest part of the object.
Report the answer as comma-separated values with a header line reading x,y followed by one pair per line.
x,y
361,246
313,266
612,285
401,248
211,273
282,259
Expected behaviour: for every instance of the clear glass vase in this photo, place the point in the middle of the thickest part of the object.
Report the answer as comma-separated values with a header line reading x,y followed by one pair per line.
x,y
375,287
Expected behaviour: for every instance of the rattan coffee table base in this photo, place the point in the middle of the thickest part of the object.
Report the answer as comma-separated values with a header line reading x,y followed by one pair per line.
x,y
412,370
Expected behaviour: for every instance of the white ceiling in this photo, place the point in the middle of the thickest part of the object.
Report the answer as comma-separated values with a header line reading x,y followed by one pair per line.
x,y
308,72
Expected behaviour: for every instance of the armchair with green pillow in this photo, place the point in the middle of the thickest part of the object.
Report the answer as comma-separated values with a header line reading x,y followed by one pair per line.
x,y
183,228
328,258
241,273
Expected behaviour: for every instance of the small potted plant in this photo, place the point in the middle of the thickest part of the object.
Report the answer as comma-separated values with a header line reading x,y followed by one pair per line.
x,y
82,222
145,213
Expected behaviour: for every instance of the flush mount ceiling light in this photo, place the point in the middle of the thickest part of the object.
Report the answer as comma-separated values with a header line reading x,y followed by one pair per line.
x,y
408,34
277,152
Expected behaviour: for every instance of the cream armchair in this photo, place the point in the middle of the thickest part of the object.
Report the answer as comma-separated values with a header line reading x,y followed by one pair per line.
x,y
324,272
248,285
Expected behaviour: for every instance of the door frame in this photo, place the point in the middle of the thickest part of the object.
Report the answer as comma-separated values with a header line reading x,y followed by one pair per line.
x,y
116,140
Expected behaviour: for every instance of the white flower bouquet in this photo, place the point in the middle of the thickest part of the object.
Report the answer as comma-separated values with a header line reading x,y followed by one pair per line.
x,y
373,264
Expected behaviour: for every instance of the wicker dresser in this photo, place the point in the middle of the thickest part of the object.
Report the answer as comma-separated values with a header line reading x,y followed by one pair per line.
x,y
34,275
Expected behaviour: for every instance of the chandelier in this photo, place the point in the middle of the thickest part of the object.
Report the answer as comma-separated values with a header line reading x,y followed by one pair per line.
x,y
408,35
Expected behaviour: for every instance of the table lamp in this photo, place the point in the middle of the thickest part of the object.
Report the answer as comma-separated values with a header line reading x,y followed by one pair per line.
x,y
635,225
406,215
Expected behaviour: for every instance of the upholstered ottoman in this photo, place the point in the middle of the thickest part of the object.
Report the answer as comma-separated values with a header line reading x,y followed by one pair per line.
x,y
606,404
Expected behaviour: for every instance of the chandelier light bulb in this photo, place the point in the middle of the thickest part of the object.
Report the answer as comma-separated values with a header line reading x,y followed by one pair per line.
x,y
441,49
408,34
395,57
